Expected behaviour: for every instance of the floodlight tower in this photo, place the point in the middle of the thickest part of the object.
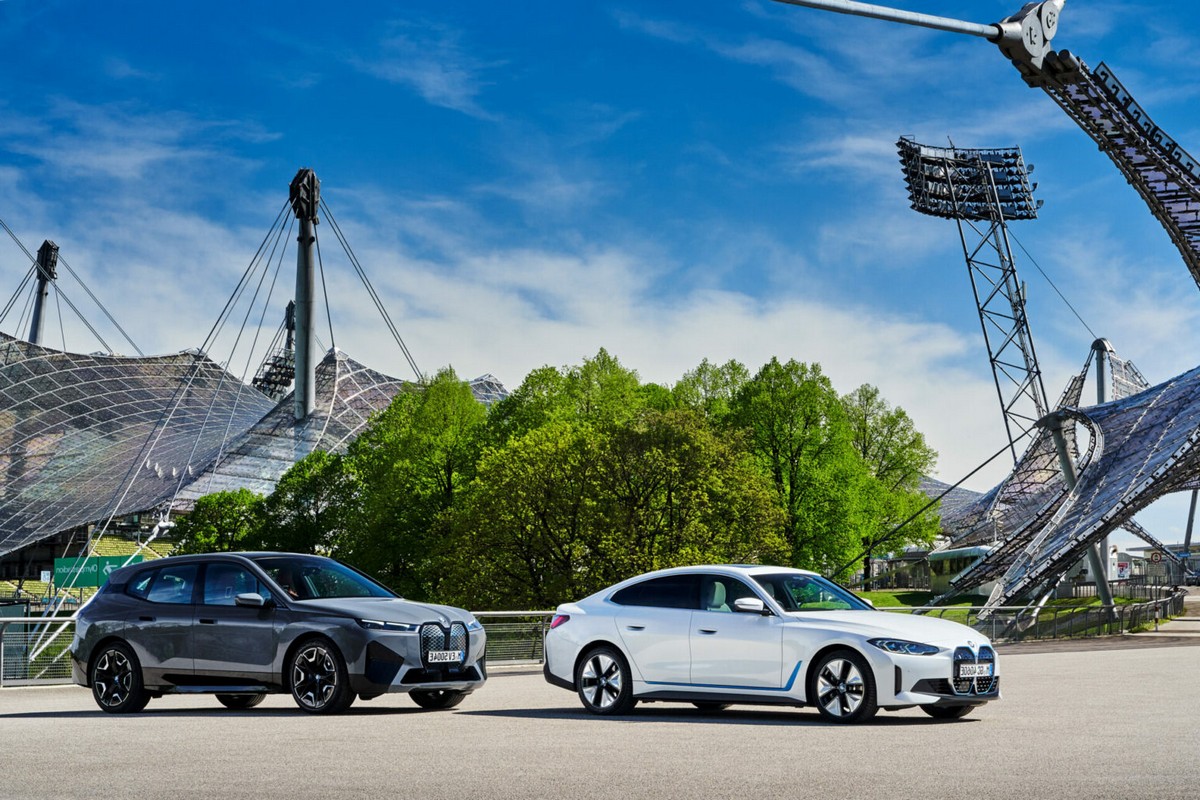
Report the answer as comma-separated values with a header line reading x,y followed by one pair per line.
x,y
981,190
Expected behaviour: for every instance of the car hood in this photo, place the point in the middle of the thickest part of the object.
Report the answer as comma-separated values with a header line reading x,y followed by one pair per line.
x,y
912,627
386,609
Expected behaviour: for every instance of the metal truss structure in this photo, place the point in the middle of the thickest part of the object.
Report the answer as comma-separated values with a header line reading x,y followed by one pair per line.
x,y
981,190
1059,503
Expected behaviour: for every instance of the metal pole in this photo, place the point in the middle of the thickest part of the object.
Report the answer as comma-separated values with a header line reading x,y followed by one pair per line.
x,y
1054,423
992,31
47,265
305,197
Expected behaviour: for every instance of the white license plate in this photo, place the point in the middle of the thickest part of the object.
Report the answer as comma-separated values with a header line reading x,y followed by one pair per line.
x,y
444,656
975,670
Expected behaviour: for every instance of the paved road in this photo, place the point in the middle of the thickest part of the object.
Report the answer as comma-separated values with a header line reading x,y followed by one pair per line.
x,y
1099,723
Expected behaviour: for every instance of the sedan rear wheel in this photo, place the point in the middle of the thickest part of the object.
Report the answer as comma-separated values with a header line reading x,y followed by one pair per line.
x,y
842,688
318,678
117,680
602,678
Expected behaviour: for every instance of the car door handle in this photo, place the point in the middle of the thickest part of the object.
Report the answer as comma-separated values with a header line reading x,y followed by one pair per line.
x,y
145,619
708,631
208,622
635,627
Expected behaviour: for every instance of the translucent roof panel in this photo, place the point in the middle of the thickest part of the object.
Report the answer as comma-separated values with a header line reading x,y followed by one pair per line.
x,y
83,437
348,393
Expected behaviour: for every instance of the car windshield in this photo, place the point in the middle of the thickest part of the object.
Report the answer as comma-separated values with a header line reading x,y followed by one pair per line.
x,y
309,578
809,593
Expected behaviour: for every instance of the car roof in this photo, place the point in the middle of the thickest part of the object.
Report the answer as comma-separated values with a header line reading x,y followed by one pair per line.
x,y
739,570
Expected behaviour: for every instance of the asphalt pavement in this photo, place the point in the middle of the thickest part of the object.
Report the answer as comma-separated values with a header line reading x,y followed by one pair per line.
x,y
1120,721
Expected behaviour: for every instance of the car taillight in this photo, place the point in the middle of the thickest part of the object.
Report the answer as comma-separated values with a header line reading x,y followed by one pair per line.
x,y
559,619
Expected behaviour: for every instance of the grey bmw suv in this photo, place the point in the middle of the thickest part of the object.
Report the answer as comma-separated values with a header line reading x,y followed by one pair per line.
x,y
241,625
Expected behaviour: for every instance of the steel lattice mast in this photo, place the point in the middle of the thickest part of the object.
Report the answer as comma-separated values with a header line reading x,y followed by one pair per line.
x,y
981,190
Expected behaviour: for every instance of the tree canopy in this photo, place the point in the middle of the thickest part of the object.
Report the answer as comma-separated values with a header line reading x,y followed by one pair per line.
x,y
584,475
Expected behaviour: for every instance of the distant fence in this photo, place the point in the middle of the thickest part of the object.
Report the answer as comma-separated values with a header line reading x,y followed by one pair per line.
x,y
1026,623
518,637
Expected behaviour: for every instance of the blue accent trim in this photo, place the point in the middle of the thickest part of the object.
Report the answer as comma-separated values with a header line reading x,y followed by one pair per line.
x,y
786,688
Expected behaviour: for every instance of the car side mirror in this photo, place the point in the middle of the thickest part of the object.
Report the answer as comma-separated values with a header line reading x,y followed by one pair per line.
x,y
250,600
868,602
750,605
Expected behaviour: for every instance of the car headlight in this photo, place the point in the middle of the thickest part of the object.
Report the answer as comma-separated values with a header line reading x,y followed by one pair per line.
x,y
902,646
474,625
381,625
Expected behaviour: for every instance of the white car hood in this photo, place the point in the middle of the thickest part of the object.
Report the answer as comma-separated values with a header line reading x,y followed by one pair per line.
x,y
910,627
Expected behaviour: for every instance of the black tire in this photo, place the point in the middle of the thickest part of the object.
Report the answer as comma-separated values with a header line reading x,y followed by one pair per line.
x,y
317,677
116,678
711,708
437,698
947,712
842,687
603,682
240,702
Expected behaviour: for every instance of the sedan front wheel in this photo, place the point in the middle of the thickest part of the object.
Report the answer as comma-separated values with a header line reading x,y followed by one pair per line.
x,y
842,687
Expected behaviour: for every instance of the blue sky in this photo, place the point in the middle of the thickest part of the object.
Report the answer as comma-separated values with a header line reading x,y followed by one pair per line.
x,y
528,182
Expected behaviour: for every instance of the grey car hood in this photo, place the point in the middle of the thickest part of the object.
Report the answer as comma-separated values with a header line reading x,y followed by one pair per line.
x,y
385,609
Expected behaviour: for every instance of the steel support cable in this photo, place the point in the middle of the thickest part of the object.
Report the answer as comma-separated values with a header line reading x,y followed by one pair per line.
x,y
20,287
19,244
324,289
249,356
26,311
371,290
60,293
100,305
1061,296
890,534
217,326
62,330
167,415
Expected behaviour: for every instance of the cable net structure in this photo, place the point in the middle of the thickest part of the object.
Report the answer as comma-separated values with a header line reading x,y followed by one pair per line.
x,y
84,438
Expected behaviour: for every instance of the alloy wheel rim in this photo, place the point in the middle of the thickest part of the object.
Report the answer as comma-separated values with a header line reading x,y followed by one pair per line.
x,y
601,681
314,676
113,678
840,687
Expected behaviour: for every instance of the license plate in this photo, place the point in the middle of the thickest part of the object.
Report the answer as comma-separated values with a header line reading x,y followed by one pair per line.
x,y
445,656
975,670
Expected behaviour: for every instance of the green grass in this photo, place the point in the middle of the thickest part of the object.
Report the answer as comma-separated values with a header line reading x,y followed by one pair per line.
x,y
889,598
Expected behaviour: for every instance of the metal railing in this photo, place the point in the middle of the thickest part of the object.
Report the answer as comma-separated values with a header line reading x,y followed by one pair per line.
x,y
518,637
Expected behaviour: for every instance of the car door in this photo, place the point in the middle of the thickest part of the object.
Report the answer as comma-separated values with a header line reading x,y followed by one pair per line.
x,y
652,620
159,627
232,641
731,649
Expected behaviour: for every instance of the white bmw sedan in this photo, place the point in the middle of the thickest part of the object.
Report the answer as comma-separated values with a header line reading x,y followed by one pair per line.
x,y
717,635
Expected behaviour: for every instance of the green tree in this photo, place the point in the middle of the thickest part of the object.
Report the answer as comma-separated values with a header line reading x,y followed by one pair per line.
x,y
307,510
897,456
409,466
523,528
674,492
710,388
221,522
797,429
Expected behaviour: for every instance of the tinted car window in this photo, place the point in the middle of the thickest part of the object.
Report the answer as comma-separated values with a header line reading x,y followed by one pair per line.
x,y
173,584
139,585
808,593
313,578
719,592
671,591
224,582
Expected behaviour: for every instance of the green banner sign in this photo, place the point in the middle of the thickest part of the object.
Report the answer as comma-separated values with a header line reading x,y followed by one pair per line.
x,y
84,573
